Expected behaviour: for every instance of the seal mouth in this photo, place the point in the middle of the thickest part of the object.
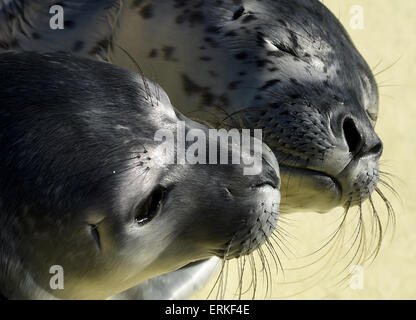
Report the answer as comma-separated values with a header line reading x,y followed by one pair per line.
x,y
315,174
304,185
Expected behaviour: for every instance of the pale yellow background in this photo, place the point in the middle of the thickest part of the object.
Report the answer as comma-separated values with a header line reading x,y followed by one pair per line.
x,y
389,35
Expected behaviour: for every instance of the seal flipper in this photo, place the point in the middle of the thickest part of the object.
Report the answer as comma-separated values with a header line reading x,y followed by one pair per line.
x,y
176,285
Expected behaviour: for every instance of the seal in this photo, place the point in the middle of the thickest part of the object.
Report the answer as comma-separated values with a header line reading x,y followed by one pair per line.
x,y
285,66
82,185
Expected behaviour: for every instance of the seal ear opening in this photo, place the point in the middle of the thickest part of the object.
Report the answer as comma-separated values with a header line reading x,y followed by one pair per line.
x,y
149,209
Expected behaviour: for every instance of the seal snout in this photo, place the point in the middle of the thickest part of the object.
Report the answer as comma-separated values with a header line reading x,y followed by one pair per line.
x,y
359,144
358,149
257,212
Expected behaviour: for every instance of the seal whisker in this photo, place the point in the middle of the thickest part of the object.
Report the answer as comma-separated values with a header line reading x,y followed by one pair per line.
x,y
253,275
276,240
391,217
277,237
246,258
390,188
338,229
239,277
275,256
378,234
269,273
219,279
135,165
139,69
388,67
374,69
263,269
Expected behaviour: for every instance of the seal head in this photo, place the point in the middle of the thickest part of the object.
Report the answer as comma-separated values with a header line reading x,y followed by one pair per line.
x,y
286,66
84,185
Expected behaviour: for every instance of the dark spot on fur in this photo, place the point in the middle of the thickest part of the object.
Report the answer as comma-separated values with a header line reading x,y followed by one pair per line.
x,y
234,84
7,45
282,22
262,62
212,29
10,16
146,11
180,3
205,58
207,98
136,3
78,46
211,42
241,55
199,5
180,19
196,17
189,86
294,81
69,24
231,34
223,99
168,53
14,43
269,84
260,39
153,53
213,74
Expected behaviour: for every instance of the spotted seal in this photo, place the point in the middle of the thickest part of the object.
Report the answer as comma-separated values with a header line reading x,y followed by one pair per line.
x,y
83,187
286,66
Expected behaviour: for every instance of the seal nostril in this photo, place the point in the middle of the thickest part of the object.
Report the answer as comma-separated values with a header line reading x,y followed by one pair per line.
x,y
352,136
377,149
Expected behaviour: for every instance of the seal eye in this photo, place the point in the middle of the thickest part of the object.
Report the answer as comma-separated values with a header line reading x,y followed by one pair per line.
x,y
152,205
238,13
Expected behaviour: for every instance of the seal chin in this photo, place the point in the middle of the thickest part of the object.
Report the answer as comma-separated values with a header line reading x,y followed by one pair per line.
x,y
306,190
255,229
